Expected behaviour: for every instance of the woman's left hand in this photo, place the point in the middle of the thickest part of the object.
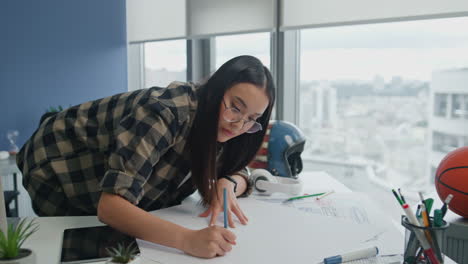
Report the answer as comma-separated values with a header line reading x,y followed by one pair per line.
x,y
216,205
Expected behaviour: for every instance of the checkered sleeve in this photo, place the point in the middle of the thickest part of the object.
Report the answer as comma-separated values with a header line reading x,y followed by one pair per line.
x,y
140,140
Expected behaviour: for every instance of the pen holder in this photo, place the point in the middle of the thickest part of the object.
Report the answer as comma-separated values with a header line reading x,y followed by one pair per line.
x,y
414,252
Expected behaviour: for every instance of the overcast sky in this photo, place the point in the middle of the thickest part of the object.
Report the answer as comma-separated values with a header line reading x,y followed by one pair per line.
x,y
410,49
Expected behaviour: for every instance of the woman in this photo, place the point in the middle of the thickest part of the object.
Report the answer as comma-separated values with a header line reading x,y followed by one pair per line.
x,y
139,151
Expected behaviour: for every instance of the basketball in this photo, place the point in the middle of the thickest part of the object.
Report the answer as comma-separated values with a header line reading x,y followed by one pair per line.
x,y
452,178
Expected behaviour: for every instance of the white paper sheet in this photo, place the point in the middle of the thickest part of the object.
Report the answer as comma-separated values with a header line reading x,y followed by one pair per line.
x,y
275,234
354,208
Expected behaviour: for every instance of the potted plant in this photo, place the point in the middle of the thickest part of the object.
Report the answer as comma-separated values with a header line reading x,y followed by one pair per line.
x,y
11,242
122,254
50,112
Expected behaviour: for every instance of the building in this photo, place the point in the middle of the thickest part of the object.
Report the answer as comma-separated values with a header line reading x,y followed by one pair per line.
x,y
448,120
319,106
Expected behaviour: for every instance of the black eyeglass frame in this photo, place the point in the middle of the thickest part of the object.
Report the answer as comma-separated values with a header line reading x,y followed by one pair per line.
x,y
255,127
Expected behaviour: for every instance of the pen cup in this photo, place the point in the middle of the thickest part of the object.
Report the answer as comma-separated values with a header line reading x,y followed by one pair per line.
x,y
414,252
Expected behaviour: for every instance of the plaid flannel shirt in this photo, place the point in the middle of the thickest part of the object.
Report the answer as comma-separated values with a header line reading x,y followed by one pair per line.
x,y
131,144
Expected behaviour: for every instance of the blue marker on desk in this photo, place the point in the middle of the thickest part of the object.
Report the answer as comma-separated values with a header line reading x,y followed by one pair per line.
x,y
355,255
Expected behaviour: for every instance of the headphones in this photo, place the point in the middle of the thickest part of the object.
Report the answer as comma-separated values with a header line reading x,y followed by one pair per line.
x,y
266,184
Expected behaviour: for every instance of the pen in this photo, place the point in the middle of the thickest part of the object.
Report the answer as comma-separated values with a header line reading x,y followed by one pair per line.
x,y
418,211
397,197
355,255
424,210
401,195
425,217
225,208
328,193
426,222
304,196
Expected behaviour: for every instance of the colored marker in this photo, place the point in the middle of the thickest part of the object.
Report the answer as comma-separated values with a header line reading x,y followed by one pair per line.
x,y
355,255
438,218
397,197
304,196
225,208
446,203
401,195
429,202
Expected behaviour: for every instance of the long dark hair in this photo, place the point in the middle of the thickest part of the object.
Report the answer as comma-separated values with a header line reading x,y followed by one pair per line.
x,y
238,151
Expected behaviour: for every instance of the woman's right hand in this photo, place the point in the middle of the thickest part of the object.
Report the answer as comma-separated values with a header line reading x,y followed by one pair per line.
x,y
208,242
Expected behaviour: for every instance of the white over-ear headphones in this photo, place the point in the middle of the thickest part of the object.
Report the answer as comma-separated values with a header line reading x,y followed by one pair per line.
x,y
266,184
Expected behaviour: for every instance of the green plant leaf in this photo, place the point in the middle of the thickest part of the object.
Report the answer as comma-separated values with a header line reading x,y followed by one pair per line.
x,y
122,253
16,235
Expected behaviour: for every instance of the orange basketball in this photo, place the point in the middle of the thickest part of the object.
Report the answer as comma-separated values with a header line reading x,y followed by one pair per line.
x,y
452,178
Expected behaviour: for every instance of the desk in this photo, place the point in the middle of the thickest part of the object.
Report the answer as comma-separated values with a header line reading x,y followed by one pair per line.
x,y
46,243
8,167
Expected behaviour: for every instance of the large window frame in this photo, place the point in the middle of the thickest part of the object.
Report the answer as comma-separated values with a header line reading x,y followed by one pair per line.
x,y
284,57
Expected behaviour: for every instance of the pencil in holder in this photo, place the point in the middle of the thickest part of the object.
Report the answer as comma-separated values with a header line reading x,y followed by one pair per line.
x,y
414,253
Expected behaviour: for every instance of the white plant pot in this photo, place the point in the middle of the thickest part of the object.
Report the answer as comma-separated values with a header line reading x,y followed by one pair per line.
x,y
26,256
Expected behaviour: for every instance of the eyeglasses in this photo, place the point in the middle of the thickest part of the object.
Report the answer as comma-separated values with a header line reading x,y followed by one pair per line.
x,y
233,115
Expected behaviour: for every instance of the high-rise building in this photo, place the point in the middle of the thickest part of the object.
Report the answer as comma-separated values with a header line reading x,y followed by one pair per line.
x,y
448,119
319,106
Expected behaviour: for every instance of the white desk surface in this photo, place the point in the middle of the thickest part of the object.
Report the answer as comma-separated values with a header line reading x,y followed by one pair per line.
x,y
47,241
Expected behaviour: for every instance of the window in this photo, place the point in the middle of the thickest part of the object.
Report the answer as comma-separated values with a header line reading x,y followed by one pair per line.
x,y
457,103
465,110
445,143
460,106
165,62
440,105
437,141
255,44
364,99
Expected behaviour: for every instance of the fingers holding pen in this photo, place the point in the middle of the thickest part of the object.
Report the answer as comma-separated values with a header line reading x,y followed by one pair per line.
x,y
229,236
209,242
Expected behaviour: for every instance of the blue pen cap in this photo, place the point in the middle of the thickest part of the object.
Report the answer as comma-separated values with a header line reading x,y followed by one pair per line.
x,y
333,260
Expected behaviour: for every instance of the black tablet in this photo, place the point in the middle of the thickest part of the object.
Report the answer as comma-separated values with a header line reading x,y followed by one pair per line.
x,y
88,244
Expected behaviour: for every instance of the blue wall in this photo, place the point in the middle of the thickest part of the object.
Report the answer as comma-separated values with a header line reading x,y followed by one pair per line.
x,y
56,52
